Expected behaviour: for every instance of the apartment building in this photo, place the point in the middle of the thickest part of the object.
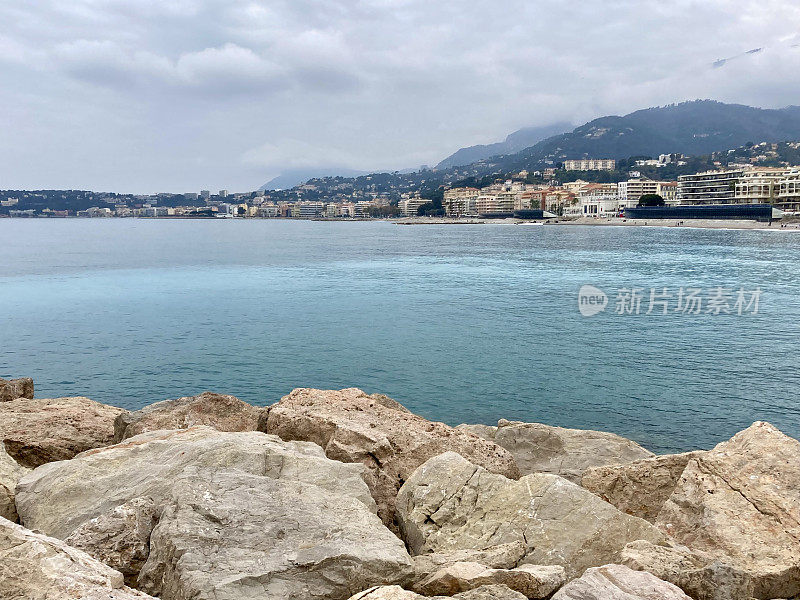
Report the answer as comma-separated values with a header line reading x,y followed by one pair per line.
x,y
759,185
460,201
409,206
630,191
788,197
709,187
590,164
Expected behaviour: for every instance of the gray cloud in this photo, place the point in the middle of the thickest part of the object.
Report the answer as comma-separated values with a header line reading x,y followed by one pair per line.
x,y
150,95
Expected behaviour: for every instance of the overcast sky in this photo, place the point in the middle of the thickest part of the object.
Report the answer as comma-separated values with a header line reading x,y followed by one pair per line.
x,y
160,95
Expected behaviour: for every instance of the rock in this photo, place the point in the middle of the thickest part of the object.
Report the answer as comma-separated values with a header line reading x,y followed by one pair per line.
x,y
11,389
395,592
532,581
450,504
699,575
58,498
225,413
638,488
39,431
616,582
36,567
501,556
378,432
740,503
119,538
10,474
539,448
237,535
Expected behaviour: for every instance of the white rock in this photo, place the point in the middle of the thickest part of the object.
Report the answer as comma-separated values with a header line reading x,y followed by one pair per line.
x,y
450,504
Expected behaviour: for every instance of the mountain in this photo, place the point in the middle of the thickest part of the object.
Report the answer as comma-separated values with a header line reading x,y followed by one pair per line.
x,y
696,127
519,140
293,177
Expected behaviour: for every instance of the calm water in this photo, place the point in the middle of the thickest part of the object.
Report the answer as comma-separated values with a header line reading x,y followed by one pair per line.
x,y
460,323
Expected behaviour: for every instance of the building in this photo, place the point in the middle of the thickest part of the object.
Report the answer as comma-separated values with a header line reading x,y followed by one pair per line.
x,y
668,190
596,200
760,185
709,187
308,209
632,190
495,203
409,206
205,194
223,193
788,197
590,164
460,201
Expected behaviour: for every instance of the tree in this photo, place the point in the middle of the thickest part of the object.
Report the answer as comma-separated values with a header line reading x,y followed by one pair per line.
x,y
651,200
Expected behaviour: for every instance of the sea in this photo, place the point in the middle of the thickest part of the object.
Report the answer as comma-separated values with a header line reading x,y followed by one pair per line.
x,y
674,337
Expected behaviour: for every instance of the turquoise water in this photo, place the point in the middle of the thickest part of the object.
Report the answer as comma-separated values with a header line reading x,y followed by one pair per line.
x,y
466,323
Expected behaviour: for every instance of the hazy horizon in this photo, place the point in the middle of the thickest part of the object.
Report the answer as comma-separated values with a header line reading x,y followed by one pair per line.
x,y
186,95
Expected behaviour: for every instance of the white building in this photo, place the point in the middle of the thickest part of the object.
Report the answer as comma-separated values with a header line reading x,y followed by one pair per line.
x,y
709,187
409,206
309,210
630,191
590,164
760,185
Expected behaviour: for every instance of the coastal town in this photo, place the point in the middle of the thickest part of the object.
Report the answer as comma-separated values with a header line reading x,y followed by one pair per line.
x,y
573,188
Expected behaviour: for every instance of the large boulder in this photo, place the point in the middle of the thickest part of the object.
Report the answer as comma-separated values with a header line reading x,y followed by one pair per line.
x,y
378,432
395,592
501,556
539,448
209,515
639,488
701,576
35,432
10,473
36,567
617,582
58,498
238,535
451,504
533,581
225,413
11,389
740,503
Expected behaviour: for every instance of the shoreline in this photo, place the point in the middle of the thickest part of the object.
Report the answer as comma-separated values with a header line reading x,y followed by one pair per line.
x,y
791,226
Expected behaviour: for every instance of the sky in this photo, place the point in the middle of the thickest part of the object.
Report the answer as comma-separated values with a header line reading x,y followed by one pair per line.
x,y
143,96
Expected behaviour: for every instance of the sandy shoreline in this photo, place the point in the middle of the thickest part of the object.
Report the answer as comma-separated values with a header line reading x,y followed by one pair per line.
x,y
790,226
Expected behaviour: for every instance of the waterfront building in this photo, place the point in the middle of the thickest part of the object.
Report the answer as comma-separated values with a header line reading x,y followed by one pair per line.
x,y
308,209
668,190
409,206
590,164
495,203
759,185
460,201
595,199
632,190
709,187
788,197
268,210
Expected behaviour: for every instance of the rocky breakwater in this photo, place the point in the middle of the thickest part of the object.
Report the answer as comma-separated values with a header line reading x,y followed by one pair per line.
x,y
193,502
733,514
378,432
